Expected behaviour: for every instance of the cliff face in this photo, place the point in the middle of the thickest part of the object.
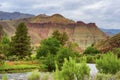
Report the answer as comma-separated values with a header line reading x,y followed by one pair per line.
x,y
41,27
87,34
83,34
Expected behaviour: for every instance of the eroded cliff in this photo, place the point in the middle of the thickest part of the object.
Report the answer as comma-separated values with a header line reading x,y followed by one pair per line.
x,y
40,27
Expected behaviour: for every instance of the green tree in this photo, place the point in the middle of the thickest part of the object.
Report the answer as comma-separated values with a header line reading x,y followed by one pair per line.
x,y
91,50
61,37
47,52
2,56
54,49
20,43
50,45
5,45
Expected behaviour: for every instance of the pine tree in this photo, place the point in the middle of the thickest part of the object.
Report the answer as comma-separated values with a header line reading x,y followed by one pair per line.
x,y
20,43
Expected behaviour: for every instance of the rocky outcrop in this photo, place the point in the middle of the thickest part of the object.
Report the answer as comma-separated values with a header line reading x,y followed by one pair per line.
x,y
40,27
79,32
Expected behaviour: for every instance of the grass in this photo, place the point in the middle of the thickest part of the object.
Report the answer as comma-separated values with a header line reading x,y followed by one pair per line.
x,y
22,62
45,77
35,75
4,77
15,68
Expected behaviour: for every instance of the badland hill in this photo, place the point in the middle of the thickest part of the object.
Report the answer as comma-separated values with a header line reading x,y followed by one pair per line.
x,y
42,26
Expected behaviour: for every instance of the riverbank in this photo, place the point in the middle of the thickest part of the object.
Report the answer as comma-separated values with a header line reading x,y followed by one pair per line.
x,y
23,76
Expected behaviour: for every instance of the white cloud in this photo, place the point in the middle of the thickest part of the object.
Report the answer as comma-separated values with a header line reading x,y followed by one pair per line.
x,y
95,6
104,12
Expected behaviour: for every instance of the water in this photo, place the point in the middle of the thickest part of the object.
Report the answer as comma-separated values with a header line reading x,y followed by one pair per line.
x,y
16,76
93,69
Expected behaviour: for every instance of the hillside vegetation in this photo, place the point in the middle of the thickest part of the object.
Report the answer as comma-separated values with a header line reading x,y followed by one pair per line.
x,y
109,44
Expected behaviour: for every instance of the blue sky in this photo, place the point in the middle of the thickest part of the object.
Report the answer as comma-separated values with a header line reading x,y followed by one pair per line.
x,y
105,13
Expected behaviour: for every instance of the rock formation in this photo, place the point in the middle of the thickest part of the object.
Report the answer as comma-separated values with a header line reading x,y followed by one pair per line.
x,y
40,27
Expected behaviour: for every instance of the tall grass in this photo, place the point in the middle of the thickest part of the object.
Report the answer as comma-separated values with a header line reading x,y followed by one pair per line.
x,y
35,75
45,77
4,77
72,71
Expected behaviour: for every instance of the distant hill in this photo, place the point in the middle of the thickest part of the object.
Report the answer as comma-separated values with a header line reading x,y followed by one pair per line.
x,y
111,32
55,18
42,26
14,15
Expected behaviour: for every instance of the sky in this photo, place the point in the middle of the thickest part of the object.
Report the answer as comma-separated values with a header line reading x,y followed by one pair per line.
x,y
105,13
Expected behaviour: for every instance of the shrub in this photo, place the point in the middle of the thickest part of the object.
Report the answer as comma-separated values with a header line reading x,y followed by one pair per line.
x,y
13,58
42,51
45,77
117,76
1,62
91,50
2,59
83,71
108,63
33,56
90,59
69,69
72,71
35,75
4,77
116,51
57,74
63,53
102,76
98,56
82,59
48,63
26,58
